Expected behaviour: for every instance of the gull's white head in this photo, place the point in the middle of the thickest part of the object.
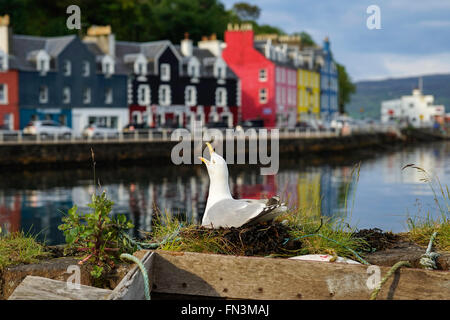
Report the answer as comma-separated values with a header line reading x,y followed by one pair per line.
x,y
216,165
218,176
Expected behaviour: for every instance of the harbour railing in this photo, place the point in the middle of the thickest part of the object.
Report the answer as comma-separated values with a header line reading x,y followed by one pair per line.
x,y
164,135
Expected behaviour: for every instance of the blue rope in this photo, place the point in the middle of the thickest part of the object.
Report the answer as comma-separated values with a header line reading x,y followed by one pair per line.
x,y
143,271
332,240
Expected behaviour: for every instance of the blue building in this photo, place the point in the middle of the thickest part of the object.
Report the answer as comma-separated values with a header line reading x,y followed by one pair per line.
x,y
328,84
68,81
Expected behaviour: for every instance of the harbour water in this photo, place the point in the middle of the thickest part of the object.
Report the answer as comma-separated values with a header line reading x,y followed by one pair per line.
x,y
382,195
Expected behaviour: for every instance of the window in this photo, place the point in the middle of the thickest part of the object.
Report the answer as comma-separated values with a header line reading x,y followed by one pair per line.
x,y
43,94
3,61
8,121
87,95
3,93
190,96
221,97
108,95
67,68
263,96
193,68
85,68
66,95
107,65
140,66
262,74
144,95
42,62
164,95
165,72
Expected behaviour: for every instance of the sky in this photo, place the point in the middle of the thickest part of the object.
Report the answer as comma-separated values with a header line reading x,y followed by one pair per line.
x,y
414,38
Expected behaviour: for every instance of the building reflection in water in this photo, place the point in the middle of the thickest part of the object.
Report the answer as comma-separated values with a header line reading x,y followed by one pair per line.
x,y
142,192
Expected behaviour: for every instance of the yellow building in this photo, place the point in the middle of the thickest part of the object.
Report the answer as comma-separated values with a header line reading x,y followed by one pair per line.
x,y
308,193
308,97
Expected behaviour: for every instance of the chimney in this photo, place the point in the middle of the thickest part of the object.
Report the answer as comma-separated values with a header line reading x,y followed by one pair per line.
x,y
212,44
103,37
5,36
186,46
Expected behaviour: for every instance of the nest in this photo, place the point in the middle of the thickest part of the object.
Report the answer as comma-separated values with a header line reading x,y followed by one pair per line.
x,y
254,240
377,239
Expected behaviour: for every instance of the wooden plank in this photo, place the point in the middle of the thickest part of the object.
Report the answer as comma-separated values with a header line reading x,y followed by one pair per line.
x,y
39,288
268,278
132,285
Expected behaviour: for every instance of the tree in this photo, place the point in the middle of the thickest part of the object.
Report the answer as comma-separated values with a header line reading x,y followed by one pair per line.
x,y
246,11
307,40
346,87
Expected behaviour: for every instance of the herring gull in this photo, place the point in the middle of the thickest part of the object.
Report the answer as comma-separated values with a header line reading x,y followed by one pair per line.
x,y
224,211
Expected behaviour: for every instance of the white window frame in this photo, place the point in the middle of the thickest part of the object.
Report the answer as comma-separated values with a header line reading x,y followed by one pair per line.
x,y
43,94
4,96
221,97
87,95
262,75
108,65
67,68
66,91
164,95
193,68
144,94
165,72
86,68
190,96
263,95
109,95
3,61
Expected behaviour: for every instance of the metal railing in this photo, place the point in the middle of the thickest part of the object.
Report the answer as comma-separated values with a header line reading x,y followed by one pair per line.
x,y
163,135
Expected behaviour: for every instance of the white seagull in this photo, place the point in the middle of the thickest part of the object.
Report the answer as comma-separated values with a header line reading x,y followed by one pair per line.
x,y
224,211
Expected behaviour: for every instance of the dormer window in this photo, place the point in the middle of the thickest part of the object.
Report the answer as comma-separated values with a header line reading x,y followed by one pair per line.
x,y
165,72
140,65
66,95
193,69
85,68
220,69
67,68
42,62
221,97
43,94
107,66
87,95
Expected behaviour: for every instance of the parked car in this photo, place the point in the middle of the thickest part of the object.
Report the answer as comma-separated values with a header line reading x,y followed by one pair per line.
x,y
8,134
305,126
100,131
217,125
46,128
247,124
136,126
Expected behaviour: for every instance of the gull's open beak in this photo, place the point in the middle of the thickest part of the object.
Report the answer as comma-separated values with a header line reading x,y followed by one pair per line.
x,y
204,160
211,151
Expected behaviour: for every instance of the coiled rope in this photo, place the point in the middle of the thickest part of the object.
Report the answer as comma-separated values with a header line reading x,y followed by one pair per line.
x,y
428,259
143,271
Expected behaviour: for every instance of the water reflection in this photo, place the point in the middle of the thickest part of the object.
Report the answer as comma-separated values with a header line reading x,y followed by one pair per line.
x,y
34,201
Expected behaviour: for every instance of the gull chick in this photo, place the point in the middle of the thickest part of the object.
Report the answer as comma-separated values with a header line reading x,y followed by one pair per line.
x,y
224,211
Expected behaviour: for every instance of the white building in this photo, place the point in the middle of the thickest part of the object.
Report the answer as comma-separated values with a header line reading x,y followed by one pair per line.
x,y
417,110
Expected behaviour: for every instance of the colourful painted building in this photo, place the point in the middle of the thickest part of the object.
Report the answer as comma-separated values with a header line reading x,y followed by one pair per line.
x,y
267,74
308,94
9,80
328,84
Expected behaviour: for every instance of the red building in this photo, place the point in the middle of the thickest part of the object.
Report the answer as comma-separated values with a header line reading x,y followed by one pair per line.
x,y
268,77
9,81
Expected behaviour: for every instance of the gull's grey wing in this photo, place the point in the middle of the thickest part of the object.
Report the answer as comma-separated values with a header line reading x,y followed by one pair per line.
x,y
232,213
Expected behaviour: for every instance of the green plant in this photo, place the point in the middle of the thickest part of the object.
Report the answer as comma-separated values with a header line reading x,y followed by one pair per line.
x,y
18,247
101,237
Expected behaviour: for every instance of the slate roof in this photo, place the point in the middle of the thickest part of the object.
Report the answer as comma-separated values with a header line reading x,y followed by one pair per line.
x,y
23,46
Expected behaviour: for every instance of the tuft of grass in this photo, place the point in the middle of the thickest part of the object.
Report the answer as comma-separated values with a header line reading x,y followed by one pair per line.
x,y
420,229
17,248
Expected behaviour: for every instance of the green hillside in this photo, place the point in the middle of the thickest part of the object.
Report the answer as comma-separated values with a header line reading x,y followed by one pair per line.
x,y
369,94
